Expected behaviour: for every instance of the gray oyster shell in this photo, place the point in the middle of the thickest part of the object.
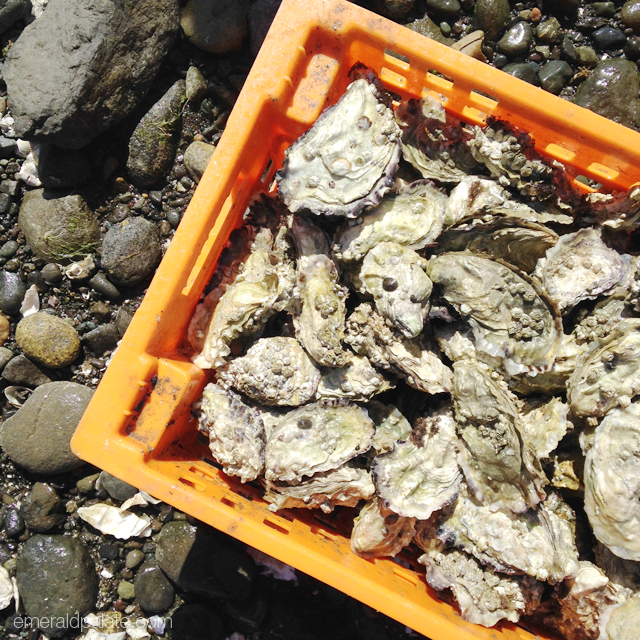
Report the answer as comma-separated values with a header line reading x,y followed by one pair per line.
x,y
378,531
235,430
509,316
316,438
601,321
498,466
412,217
416,359
612,482
581,267
544,422
347,161
309,240
391,426
421,475
608,374
274,371
345,486
358,380
537,543
396,278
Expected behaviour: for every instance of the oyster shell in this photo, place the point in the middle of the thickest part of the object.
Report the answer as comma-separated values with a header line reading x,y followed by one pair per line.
x,y
316,438
421,475
357,380
618,570
499,468
396,278
624,621
345,486
608,374
309,239
415,360
484,596
412,217
263,287
509,317
544,423
347,161
235,430
600,322
581,267
378,531
612,482
391,426
274,371
537,543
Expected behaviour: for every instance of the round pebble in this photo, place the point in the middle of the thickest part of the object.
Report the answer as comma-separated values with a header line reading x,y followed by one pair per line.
x,y
134,558
12,290
526,71
196,84
126,590
548,31
216,26
101,284
116,488
196,158
48,340
554,75
491,16
630,14
517,40
154,593
52,273
445,7
41,508
609,38
13,523
5,329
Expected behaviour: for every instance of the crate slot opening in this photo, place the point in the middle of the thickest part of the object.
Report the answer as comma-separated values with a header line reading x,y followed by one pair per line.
x,y
411,578
265,173
587,184
228,502
325,522
483,100
275,526
194,484
324,534
211,462
439,80
396,58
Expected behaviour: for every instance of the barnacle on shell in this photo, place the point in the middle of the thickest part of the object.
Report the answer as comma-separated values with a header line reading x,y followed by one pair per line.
x,y
358,380
391,426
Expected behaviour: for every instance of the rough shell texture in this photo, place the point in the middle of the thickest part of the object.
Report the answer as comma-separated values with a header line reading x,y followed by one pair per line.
x,y
317,438
581,267
618,570
421,475
544,423
391,426
347,161
624,621
396,278
378,531
235,430
509,316
274,371
412,217
345,486
358,380
612,482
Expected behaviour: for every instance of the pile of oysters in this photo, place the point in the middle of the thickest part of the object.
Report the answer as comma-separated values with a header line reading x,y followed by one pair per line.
x,y
429,322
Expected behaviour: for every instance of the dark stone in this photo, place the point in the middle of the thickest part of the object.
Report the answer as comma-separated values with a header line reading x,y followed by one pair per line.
x,y
56,579
9,248
153,144
116,488
527,71
154,592
5,356
554,75
21,371
101,284
193,622
203,561
219,26
632,48
260,18
604,9
61,168
12,290
123,320
41,508
7,147
13,10
444,7
131,251
548,31
37,437
109,551
630,14
491,16
564,7
609,38
93,60
568,50
5,202
102,339
248,614
13,523
517,40
51,273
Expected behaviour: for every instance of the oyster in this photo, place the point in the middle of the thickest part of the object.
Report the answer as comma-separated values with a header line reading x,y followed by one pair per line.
x,y
235,430
391,426
581,267
378,531
309,239
509,317
357,380
347,161
316,438
345,486
544,423
598,324
275,371
412,217
537,543
416,360
612,482
421,475
499,468
608,374
484,596
623,621
263,287
618,570
396,278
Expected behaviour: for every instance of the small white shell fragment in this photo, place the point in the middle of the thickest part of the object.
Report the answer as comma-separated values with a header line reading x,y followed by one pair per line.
x,y
271,567
6,589
110,520
137,629
31,302
80,270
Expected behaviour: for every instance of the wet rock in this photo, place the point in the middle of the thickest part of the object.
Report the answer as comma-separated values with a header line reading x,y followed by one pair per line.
x,y
604,9
123,320
548,31
154,592
259,20
218,26
196,158
131,251
203,561
193,622
21,371
95,61
195,84
586,56
51,273
8,249
471,45
394,9
526,71
48,340
37,437
58,229
248,614
612,91
491,16
427,27
632,48
152,147
5,329
13,523
102,339
11,11
5,198
517,40
126,590
5,356
61,168
630,14
444,7
609,38
568,49
554,75
134,558
109,551
41,508
12,290
101,284
88,483
56,579
116,488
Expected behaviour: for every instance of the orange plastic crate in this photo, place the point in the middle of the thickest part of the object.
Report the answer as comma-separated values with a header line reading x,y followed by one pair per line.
x,y
138,426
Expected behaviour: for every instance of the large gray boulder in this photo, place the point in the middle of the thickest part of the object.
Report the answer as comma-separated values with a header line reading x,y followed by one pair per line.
x,y
83,66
